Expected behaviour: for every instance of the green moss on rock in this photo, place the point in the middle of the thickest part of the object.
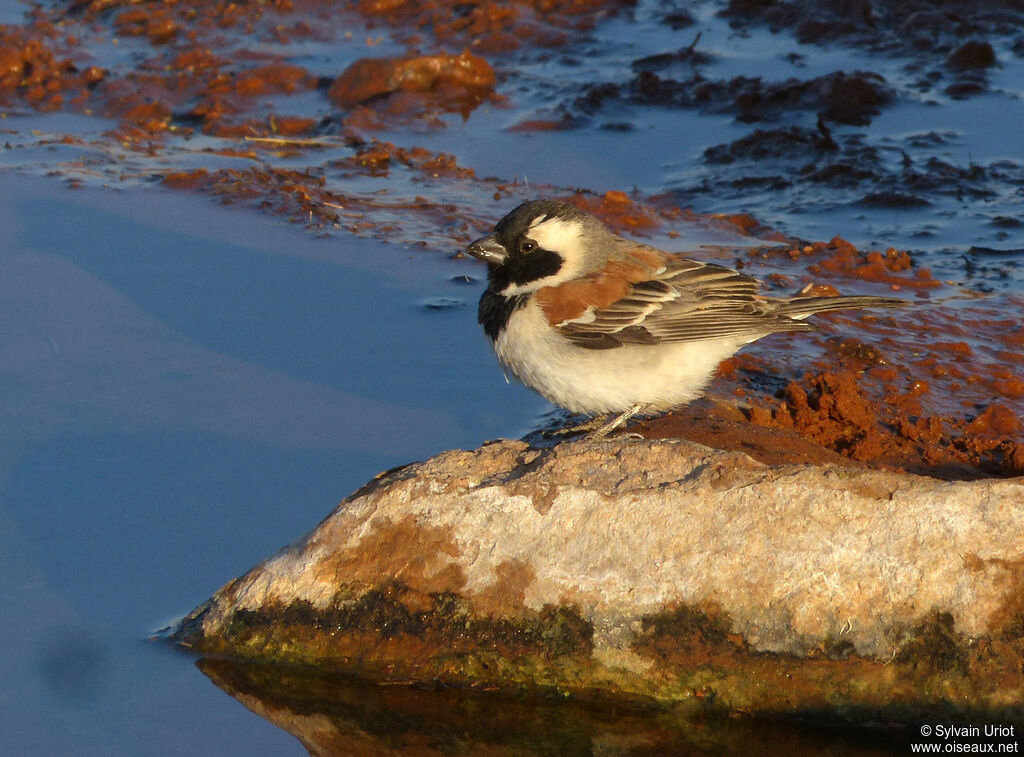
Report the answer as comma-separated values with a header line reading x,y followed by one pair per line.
x,y
934,646
698,663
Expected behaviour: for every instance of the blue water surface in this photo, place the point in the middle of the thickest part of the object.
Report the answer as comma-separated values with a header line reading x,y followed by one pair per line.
x,y
185,389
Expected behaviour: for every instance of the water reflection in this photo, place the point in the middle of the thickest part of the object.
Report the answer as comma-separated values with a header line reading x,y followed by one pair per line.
x,y
336,716
71,664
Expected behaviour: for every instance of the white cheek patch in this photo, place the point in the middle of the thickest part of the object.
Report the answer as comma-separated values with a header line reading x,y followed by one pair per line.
x,y
562,237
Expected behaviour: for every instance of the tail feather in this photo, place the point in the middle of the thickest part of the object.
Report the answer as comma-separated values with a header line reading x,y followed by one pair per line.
x,y
801,307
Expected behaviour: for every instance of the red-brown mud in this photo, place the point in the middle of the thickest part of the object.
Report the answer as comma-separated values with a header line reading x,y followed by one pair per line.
x,y
450,77
31,71
934,388
828,417
184,84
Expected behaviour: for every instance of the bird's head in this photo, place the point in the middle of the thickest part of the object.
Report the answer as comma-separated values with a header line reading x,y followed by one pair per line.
x,y
539,244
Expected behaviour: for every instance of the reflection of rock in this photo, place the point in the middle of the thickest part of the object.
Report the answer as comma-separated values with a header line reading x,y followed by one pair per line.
x,y
654,569
332,715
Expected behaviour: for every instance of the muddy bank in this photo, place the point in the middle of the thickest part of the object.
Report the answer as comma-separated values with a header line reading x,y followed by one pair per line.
x,y
181,85
332,146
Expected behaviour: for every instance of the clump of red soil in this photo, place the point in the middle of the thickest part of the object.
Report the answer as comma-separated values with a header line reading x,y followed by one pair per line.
x,y
375,158
831,409
826,418
463,76
843,258
750,226
620,211
720,424
378,91
155,23
32,71
840,258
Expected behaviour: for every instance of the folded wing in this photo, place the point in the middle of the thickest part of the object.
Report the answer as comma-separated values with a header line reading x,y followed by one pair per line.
x,y
687,300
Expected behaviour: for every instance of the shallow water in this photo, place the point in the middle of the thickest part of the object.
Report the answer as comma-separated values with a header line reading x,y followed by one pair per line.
x,y
184,388
183,394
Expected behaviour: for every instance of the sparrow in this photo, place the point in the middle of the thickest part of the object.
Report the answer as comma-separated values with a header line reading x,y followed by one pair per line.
x,y
600,324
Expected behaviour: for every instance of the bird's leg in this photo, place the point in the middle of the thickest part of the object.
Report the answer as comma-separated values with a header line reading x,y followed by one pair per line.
x,y
579,428
597,428
614,423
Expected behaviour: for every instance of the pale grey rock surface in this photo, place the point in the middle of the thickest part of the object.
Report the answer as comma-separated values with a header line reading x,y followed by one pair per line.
x,y
796,559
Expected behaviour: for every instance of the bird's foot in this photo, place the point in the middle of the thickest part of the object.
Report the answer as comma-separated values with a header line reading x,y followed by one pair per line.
x,y
619,420
593,429
577,429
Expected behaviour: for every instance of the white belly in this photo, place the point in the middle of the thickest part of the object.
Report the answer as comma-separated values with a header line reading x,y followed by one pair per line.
x,y
659,377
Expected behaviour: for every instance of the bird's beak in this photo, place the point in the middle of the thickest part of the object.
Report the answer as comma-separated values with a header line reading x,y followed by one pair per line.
x,y
488,249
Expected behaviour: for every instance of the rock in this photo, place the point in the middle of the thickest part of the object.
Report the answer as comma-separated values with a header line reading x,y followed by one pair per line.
x,y
654,570
972,54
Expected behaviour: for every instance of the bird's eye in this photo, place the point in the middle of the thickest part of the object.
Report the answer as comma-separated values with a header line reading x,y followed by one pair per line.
x,y
527,246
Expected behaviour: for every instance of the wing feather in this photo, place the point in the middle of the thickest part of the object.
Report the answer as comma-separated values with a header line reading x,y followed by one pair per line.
x,y
683,300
